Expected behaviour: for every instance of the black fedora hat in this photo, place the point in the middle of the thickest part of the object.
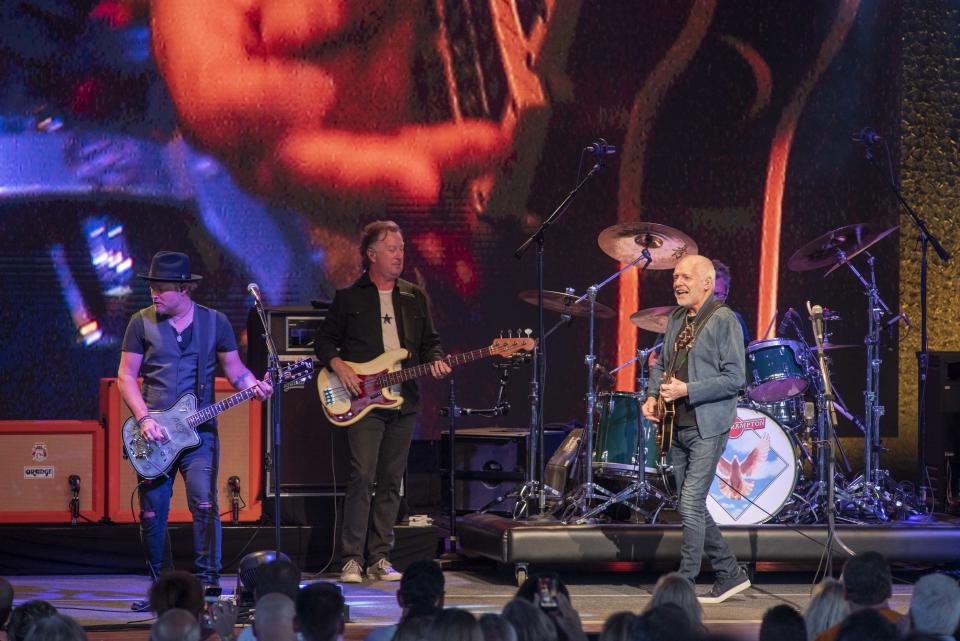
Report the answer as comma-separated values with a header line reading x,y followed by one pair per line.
x,y
170,267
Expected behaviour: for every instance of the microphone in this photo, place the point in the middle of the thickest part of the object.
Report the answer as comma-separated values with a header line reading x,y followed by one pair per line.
x,y
74,481
809,414
867,136
816,315
787,320
604,374
234,483
601,148
254,291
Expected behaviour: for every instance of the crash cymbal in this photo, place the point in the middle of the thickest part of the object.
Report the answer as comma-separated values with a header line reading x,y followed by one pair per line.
x,y
626,241
652,319
564,303
837,247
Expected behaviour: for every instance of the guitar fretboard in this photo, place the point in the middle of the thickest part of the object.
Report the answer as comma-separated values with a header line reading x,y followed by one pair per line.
x,y
210,412
395,378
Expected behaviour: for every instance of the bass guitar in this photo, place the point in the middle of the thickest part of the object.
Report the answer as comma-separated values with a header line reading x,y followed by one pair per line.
x,y
380,374
179,424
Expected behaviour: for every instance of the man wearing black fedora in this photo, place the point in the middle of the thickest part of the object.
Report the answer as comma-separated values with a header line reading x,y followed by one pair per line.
x,y
175,345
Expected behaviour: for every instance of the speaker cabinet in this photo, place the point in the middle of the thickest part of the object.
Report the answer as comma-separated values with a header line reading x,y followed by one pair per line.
x,y
489,462
37,459
942,438
240,455
314,455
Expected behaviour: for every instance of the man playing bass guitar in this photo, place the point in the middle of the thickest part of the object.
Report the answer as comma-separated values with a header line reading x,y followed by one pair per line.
x,y
379,312
703,346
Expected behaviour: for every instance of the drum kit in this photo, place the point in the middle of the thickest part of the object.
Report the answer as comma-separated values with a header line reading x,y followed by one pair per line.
x,y
777,461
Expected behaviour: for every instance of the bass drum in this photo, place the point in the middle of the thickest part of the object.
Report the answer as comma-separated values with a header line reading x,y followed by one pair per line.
x,y
757,472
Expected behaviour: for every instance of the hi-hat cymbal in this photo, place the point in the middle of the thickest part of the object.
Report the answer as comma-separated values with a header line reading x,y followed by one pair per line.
x,y
829,346
564,303
625,242
652,319
838,246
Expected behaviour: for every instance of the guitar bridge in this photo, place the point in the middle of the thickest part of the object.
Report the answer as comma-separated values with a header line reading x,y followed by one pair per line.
x,y
328,396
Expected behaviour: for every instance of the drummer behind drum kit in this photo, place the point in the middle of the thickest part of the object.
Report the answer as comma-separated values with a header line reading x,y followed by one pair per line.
x,y
775,465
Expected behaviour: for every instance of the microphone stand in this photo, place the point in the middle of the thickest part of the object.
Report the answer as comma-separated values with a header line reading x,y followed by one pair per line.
x,y
926,238
273,367
538,237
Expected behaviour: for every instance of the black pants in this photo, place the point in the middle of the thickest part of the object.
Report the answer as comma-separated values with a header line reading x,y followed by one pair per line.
x,y
379,444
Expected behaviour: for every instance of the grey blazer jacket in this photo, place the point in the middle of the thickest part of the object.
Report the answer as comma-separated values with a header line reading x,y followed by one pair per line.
x,y
715,366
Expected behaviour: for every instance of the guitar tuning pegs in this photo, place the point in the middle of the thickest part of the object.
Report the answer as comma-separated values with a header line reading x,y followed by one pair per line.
x,y
509,333
501,333
528,332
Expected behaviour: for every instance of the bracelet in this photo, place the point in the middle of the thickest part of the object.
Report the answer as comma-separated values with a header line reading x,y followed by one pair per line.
x,y
142,419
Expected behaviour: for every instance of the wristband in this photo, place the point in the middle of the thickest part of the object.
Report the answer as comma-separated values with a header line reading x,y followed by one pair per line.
x,y
142,419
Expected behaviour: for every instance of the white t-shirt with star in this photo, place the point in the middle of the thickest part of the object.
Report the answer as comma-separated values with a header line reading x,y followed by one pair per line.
x,y
388,323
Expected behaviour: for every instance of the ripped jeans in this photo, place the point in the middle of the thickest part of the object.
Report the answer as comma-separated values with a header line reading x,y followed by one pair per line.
x,y
199,469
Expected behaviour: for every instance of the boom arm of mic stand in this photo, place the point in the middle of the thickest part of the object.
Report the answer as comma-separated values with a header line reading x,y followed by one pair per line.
x,y
559,211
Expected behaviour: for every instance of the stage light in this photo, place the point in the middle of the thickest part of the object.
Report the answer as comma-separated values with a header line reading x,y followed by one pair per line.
x,y
247,574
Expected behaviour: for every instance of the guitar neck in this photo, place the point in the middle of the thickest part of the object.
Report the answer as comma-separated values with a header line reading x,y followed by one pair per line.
x,y
410,373
212,411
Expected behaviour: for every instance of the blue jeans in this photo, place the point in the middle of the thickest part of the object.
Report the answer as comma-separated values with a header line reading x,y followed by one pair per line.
x,y
694,465
199,469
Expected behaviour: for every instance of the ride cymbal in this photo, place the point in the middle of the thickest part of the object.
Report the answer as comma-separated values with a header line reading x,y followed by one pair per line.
x,y
625,242
564,303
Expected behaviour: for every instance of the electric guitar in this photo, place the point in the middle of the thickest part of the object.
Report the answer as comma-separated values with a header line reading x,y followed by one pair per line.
x,y
179,424
667,410
380,374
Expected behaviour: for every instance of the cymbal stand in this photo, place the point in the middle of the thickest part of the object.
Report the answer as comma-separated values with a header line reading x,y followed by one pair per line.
x,y
640,489
589,490
870,495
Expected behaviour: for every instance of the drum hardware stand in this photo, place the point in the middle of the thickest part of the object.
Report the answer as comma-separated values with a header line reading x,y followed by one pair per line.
x,y
639,489
869,493
589,489
925,238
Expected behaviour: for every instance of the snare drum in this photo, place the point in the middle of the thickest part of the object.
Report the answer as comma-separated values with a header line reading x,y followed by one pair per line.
x,y
775,370
756,474
788,413
615,442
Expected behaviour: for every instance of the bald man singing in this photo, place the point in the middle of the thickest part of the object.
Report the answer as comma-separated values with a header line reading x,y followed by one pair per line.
x,y
708,373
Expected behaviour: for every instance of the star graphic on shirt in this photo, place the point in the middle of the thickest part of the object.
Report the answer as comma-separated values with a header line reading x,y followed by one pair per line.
x,y
386,319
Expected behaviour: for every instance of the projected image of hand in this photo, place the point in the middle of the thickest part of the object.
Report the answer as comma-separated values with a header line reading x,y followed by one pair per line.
x,y
307,98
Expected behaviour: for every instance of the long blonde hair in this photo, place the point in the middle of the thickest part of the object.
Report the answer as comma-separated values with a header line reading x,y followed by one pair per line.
x,y
827,608
673,588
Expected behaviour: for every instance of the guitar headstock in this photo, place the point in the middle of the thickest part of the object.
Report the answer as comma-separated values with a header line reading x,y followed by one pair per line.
x,y
511,345
296,373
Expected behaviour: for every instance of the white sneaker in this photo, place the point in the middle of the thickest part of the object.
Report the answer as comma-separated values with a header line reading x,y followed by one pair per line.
x,y
351,572
383,571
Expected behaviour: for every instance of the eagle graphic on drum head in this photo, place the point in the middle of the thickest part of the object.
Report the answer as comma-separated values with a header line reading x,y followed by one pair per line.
x,y
735,475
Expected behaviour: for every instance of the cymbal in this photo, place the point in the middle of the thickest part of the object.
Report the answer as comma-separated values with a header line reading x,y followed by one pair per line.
x,y
838,246
626,241
829,346
563,303
652,319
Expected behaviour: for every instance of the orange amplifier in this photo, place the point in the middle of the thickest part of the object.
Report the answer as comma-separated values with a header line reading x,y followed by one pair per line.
x,y
240,455
41,462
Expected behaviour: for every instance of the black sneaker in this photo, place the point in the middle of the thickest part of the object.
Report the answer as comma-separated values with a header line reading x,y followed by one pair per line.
x,y
723,589
140,606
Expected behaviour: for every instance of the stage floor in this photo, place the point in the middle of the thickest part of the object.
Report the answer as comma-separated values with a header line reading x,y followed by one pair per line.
x,y
102,602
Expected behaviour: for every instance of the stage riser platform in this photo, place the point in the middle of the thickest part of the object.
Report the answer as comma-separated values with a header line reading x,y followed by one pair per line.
x,y
506,541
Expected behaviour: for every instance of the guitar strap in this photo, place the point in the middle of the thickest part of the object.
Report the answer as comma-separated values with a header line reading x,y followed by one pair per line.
x,y
707,313
201,318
